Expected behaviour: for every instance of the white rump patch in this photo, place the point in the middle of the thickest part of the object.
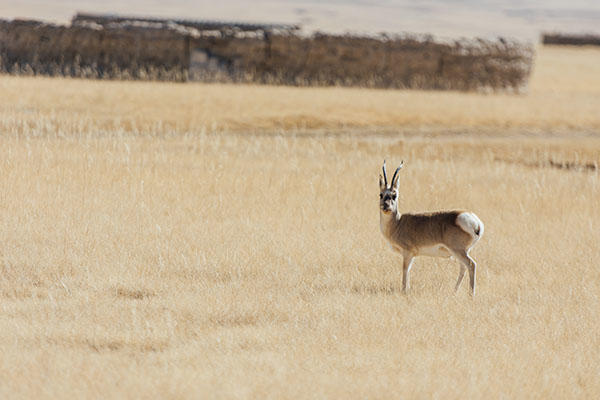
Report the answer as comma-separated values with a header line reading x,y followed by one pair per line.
x,y
470,223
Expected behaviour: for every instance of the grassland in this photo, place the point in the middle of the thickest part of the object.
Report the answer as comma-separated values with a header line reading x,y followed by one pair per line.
x,y
214,241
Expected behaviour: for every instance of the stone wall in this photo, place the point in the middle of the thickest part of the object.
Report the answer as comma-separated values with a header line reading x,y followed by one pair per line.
x,y
385,62
571,39
38,48
168,51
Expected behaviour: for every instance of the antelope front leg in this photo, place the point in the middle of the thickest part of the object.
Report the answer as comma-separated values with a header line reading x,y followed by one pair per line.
x,y
407,264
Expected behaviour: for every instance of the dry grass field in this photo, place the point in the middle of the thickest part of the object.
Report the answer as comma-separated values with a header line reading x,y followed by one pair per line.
x,y
215,241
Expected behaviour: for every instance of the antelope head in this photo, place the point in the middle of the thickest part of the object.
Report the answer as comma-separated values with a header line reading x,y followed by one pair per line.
x,y
388,194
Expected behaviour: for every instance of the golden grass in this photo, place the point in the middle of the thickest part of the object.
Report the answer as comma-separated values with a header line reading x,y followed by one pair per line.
x,y
564,95
146,251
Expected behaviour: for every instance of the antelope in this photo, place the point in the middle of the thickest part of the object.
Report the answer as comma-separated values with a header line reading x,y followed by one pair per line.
x,y
435,234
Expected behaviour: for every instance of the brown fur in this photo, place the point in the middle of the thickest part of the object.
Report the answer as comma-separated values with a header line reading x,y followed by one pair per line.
x,y
428,229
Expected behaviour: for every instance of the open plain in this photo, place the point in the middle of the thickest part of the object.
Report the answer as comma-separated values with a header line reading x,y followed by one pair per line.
x,y
163,240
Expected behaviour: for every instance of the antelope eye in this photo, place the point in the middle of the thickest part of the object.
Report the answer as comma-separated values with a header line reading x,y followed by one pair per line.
x,y
380,195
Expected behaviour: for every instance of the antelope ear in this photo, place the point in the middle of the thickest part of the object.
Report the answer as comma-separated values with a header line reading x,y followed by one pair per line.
x,y
381,183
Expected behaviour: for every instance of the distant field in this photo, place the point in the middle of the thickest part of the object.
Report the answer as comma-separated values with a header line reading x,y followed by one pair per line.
x,y
564,95
210,241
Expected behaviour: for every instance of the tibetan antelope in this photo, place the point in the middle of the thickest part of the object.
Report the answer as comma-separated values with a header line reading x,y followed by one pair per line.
x,y
436,234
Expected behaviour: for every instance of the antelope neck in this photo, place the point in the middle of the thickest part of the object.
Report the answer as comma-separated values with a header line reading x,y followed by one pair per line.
x,y
386,220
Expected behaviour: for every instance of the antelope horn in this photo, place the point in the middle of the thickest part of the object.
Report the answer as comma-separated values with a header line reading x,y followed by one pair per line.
x,y
384,174
395,173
